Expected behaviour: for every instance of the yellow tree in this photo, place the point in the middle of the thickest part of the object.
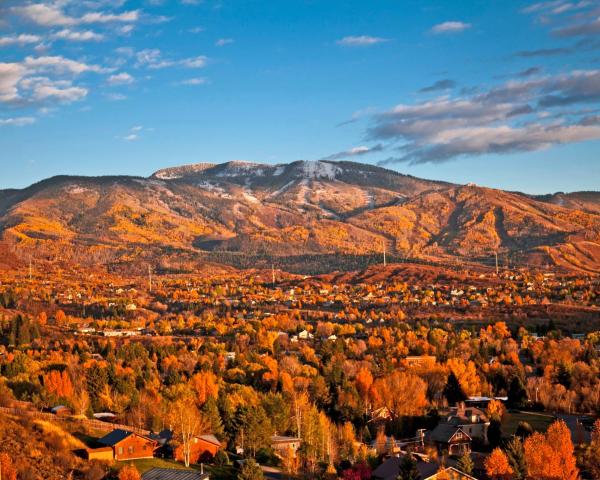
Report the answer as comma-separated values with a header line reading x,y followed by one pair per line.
x,y
129,472
187,423
497,466
551,456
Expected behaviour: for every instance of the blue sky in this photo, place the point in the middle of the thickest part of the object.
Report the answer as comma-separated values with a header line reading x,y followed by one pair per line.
x,y
504,94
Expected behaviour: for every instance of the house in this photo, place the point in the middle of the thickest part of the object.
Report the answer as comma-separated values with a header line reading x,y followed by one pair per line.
x,y
203,447
127,445
61,411
390,469
174,474
473,421
450,438
282,444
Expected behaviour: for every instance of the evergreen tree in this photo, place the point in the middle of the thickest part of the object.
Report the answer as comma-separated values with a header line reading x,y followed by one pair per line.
x,y
211,412
250,471
494,432
516,457
517,395
408,469
465,464
453,391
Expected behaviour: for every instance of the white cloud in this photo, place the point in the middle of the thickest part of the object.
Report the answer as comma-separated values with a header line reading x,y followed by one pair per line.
x,y
60,65
77,36
195,62
450,27
51,15
44,14
509,118
360,41
16,121
355,152
152,59
221,42
120,79
131,137
10,76
194,81
115,97
21,39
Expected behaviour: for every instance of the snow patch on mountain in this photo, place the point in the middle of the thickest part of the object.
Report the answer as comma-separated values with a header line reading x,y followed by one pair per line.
x,y
320,169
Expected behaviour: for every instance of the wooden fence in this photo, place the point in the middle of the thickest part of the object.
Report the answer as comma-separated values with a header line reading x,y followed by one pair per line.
x,y
21,410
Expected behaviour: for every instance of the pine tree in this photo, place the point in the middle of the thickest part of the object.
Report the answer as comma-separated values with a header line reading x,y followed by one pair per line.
x,y
465,464
494,432
517,395
211,413
250,471
516,458
453,391
408,469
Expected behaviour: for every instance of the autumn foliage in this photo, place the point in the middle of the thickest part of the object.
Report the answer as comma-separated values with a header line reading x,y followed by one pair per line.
x,y
129,472
551,456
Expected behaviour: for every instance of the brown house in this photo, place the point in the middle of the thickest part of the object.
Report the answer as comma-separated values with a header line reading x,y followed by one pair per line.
x,y
126,445
204,449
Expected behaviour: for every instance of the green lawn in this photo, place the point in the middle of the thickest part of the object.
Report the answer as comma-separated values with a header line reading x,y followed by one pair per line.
x,y
220,473
539,422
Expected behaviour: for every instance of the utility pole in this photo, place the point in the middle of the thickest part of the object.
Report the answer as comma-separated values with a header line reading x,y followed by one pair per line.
x,y
496,254
150,278
383,247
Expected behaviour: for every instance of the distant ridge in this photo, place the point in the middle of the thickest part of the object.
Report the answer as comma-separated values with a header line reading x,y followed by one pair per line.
x,y
317,207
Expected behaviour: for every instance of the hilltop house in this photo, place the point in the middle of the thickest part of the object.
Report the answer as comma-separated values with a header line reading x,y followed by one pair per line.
x,y
123,445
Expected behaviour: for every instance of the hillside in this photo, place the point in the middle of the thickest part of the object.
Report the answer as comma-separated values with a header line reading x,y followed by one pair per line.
x,y
294,209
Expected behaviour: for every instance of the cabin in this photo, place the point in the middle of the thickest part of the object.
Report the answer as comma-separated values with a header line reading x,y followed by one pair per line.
x,y
126,445
282,444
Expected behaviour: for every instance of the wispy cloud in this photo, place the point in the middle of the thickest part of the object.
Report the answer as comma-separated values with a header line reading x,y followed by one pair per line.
x,y
22,39
193,81
153,59
450,27
77,36
51,15
221,42
16,121
360,41
134,134
355,152
513,117
122,78
444,84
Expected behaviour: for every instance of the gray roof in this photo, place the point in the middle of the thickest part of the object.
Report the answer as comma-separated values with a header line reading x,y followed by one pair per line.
x,y
390,469
444,432
114,437
173,474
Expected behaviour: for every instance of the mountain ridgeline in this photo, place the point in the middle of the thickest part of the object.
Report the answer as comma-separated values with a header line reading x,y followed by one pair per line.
x,y
321,208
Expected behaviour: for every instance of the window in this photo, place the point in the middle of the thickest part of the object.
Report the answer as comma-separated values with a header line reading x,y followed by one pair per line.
x,y
131,449
120,450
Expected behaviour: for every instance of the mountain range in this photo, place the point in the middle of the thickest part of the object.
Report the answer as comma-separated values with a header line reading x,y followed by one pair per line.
x,y
300,208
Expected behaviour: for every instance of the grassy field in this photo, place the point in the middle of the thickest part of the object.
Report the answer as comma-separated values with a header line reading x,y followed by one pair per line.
x,y
539,421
